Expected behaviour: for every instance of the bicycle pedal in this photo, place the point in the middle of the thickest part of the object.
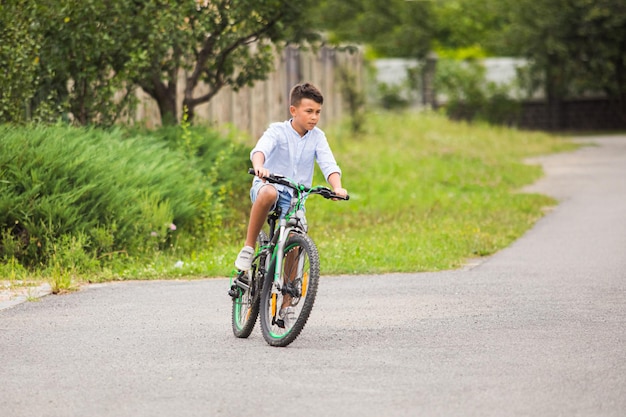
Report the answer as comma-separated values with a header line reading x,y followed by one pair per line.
x,y
234,291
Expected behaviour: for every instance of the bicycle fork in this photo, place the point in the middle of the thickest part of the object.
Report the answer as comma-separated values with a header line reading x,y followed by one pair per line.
x,y
276,281
284,282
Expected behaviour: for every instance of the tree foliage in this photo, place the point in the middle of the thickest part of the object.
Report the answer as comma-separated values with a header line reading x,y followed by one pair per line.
x,y
19,60
470,25
84,57
394,28
582,43
219,43
91,54
574,46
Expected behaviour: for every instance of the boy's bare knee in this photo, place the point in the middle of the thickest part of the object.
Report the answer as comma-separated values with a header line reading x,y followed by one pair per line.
x,y
266,196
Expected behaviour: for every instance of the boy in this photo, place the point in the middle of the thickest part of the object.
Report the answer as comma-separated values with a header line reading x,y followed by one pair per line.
x,y
289,149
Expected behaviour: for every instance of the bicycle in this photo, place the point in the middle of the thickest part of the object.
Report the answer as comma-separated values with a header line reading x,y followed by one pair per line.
x,y
284,274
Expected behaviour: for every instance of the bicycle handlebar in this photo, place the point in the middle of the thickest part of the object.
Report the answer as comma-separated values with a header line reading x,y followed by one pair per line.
x,y
282,180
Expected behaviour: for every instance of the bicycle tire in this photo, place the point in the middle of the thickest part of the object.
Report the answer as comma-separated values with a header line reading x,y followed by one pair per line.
x,y
304,284
245,308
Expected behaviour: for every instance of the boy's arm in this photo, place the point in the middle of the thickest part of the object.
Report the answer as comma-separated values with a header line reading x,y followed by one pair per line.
x,y
334,180
258,159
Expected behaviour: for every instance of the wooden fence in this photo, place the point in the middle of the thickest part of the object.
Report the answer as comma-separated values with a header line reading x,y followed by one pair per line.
x,y
252,109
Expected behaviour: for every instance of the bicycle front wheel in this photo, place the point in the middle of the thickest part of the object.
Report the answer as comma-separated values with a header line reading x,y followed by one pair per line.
x,y
287,300
247,288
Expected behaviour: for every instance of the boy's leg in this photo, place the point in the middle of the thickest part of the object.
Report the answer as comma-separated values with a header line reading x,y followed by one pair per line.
x,y
265,199
287,313
291,271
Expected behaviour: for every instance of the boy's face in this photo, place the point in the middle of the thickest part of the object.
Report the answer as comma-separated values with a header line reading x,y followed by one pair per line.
x,y
305,115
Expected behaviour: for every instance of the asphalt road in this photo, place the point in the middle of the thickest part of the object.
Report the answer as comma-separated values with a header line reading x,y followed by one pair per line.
x,y
539,329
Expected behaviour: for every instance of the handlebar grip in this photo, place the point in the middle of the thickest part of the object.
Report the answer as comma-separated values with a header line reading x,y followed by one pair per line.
x,y
327,193
274,179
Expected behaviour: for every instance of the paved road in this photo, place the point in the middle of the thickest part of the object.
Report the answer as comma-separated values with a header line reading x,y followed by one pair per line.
x,y
537,330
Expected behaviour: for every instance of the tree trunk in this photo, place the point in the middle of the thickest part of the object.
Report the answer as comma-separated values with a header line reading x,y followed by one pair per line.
x,y
165,96
190,102
167,109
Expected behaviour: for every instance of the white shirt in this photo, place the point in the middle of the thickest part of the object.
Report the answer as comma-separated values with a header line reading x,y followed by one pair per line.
x,y
293,156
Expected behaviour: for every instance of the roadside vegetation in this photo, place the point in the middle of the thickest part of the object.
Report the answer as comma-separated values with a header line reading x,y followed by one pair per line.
x,y
87,205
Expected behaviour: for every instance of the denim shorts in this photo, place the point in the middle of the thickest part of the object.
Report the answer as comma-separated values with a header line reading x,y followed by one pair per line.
x,y
283,197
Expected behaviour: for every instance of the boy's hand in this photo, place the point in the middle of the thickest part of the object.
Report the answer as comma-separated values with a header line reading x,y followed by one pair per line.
x,y
342,192
261,172
258,160
334,180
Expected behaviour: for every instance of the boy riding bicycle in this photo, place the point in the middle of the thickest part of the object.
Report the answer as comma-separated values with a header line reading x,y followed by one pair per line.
x,y
290,149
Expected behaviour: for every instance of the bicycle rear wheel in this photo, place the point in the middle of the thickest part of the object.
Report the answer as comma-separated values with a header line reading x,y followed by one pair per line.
x,y
295,291
247,288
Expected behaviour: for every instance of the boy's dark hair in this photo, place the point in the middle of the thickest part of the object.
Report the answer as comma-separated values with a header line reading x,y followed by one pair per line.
x,y
306,90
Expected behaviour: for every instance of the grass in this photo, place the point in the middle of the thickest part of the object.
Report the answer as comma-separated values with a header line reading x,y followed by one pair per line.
x,y
427,194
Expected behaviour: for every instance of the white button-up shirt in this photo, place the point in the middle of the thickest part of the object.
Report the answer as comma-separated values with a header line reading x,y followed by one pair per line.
x,y
293,156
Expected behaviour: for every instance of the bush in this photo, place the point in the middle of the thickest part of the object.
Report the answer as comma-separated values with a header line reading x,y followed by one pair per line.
x,y
471,97
353,97
391,97
97,194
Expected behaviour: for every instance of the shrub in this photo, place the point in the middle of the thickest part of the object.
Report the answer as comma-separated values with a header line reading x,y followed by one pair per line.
x,y
471,97
91,193
353,97
391,97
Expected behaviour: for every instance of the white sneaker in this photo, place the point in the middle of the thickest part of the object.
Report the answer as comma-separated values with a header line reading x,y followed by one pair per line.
x,y
288,316
244,259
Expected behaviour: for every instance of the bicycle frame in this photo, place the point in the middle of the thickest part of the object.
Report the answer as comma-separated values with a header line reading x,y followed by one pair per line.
x,y
293,222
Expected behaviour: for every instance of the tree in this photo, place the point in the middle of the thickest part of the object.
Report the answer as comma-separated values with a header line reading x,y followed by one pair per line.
x,y
218,43
63,58
93,53
19,61
573,46
469,28
395,28
576,45
84,58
